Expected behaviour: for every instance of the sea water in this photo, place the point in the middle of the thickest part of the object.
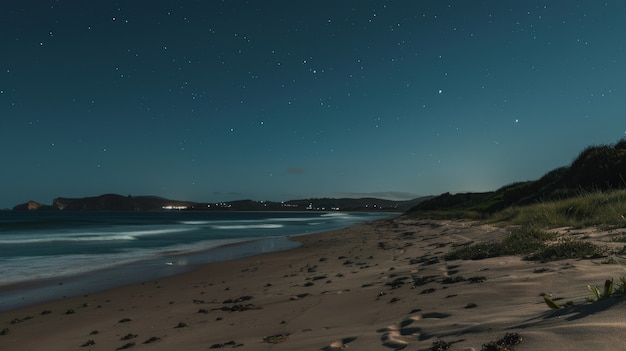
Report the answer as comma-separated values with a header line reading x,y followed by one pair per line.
x,y
89,251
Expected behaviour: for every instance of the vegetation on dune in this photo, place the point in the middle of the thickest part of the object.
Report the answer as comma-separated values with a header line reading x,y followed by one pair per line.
x,y
597,208
589,192
609,290
520,241
533,244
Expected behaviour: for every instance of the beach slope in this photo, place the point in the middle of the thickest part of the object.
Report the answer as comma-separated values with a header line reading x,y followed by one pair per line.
x,y
376,286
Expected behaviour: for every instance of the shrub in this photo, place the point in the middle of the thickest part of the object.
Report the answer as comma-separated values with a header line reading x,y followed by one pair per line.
x,y
521,241
568,249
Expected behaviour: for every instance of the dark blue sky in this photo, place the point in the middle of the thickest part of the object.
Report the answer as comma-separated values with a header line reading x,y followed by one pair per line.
x,y
276,100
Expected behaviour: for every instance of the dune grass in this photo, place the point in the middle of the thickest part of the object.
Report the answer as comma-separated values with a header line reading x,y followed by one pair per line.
x,y
605,209
532,243
521,241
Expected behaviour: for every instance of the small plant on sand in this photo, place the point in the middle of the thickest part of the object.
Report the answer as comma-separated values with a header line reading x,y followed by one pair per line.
x,y
621,288
553,305
609,290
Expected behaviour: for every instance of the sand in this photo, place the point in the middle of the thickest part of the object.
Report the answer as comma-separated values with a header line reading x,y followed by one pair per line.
x,y
375,286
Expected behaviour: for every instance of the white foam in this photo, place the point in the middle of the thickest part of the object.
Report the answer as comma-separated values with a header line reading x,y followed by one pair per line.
x,y
56,239
90,236
248,226
195,222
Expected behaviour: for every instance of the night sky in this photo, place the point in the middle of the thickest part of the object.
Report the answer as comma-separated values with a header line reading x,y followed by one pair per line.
x,y
286,99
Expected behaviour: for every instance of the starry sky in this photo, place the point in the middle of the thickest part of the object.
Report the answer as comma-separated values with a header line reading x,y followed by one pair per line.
x,y
287,99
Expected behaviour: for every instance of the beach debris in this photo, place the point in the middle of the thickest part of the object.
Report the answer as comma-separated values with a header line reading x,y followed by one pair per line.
x,y
477,279
275,339
452,280
94,332
241,308
5,331
152,339
181,325
298,297
126,346
70,311
124,320
203,310
20,320
419,281
429,261
471,305
44,312
231,343
89,342
398,282
239,299
128,336
440,345
505,343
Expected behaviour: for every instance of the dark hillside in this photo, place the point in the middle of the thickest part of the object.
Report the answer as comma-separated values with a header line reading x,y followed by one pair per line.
x,y
596,168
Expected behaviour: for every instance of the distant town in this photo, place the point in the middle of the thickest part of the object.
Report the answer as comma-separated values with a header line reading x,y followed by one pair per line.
x,y
115,202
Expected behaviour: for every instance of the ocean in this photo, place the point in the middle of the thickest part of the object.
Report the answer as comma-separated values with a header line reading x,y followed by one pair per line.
x,y
47,255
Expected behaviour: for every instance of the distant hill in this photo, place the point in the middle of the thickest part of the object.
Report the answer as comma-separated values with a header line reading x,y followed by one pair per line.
x,y
115,202
596,168
109,202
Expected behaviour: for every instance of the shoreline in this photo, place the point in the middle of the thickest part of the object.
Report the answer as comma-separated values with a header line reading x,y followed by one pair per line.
x,y
37,291
159,265
380,285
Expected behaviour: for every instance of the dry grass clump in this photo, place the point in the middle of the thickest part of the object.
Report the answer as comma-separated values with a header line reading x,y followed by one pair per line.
x,y
534,244
599,208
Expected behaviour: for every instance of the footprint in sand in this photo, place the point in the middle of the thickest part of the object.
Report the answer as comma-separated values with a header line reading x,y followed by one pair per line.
x,y
398,336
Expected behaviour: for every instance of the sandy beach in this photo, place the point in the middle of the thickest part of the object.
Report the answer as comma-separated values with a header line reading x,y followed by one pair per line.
x,y
376,286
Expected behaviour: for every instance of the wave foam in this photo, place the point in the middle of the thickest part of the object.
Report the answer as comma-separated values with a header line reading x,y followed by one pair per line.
x,y
92,236
248,226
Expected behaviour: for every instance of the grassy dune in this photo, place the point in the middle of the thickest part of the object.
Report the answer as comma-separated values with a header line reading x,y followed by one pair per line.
x,y
599,208
590,192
